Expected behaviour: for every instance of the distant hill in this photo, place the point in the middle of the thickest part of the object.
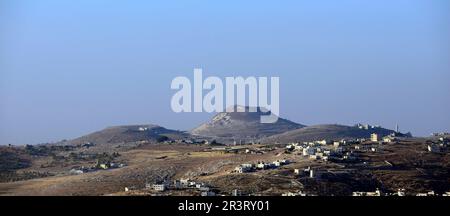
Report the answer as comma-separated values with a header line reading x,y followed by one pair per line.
x,y
326,131
227,127
128,133
243,125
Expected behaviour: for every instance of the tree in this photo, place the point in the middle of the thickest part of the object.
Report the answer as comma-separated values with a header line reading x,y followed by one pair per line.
x,y
162,139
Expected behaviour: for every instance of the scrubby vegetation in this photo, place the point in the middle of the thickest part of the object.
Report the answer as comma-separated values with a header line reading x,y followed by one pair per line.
x,y
11,176
11,160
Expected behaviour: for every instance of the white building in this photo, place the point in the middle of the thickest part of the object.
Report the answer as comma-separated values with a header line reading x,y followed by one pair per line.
x,y
336,144
243,168
431,193
159,187
376,193
309,151
314,157
389,139
143,129
129,188
323,142
184,182
207,193
434,148
236,192
261,165
276,163
401,192
374,137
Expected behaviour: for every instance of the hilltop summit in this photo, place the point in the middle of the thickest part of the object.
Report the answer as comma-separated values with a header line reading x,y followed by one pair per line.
x,y
243,124
125,134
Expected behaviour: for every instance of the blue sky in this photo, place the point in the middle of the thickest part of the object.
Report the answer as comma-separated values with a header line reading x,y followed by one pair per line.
x,y
72,67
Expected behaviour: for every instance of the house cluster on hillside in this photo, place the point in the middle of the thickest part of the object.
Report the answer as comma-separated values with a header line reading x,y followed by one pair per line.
x,y
110,165
400,192
440,134
297,193
98,166
87,145
247,167
255,150
189,184
309,172
143,129
342,150
377,192
393,137
366,126
323,150
439,146
179,184
189,141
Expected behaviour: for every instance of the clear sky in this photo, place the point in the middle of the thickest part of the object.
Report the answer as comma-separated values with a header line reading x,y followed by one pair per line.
x,y
72,67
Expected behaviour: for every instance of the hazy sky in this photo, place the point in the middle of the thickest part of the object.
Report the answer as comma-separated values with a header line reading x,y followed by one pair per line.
x,y
72,67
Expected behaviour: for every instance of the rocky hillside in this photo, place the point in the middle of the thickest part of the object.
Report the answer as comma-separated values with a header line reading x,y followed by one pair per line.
x,y
243,125
125,134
